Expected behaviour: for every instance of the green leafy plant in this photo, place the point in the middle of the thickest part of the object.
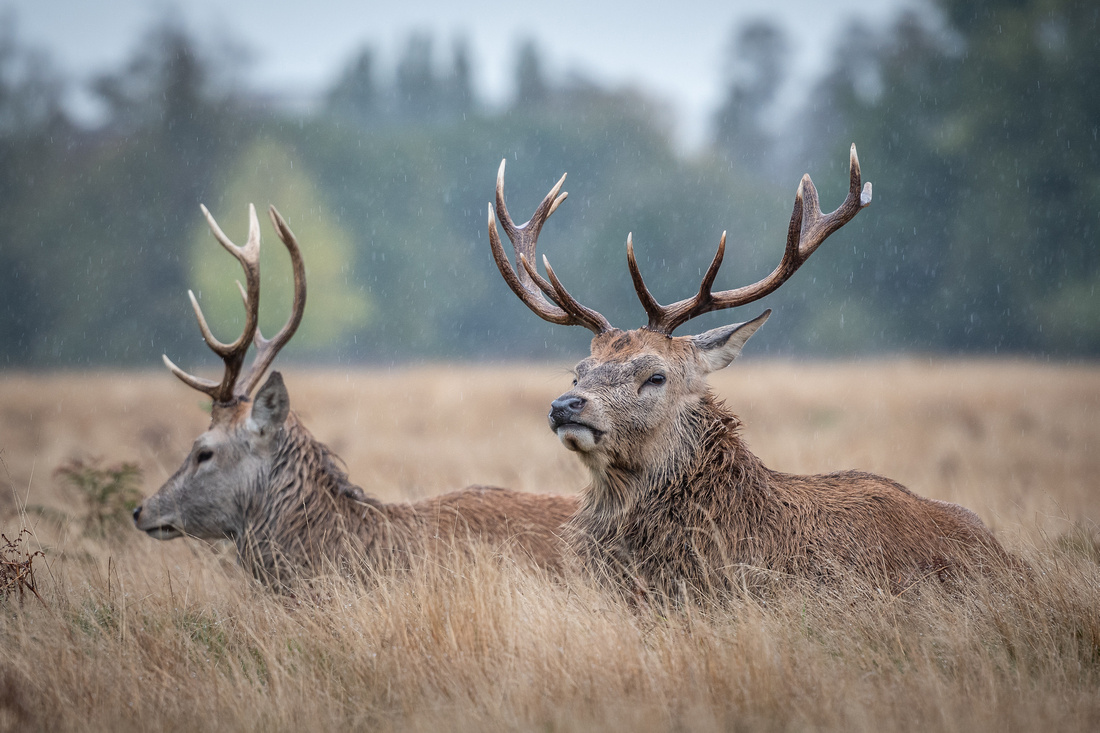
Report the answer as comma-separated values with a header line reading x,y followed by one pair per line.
x,y
110,494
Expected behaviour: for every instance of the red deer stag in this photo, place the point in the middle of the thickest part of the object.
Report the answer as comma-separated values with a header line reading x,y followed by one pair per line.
x,y
677,501
259,478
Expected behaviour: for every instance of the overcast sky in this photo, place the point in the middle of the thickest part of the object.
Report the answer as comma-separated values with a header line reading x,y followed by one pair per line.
x,y
672,49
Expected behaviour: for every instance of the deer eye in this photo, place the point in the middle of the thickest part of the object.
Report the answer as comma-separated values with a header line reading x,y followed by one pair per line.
x,y
656,380
204,455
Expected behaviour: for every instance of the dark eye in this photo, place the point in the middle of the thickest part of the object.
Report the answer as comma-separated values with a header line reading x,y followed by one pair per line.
x,y
656,380
204,455
574,381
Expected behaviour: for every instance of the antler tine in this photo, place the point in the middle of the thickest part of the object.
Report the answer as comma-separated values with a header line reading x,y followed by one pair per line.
x,y
664,319
249,257
808,228
712,271
524,237
541,296
818,226
231,354
202,385
267,349
653,309
532,299
582,315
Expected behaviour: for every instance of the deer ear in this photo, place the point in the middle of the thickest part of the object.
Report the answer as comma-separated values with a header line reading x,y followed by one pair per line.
x,y
272,404
720,346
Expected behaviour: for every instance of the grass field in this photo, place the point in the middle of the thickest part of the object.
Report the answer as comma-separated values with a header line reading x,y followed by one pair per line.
x,y
139,634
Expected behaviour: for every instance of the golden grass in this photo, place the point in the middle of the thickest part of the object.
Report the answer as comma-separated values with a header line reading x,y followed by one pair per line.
x,y
140,634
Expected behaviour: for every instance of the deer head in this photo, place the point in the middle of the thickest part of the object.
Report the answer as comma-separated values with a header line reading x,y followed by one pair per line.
x,y
207,496
633,398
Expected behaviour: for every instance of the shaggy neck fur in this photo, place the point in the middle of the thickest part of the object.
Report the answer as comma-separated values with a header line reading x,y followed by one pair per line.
x,y
703,437
647,521
303,517
305,513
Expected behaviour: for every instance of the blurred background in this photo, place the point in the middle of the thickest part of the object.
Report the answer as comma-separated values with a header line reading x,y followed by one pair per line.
x,y
377,132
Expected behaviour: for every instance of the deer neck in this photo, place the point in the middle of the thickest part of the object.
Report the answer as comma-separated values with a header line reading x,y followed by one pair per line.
x,y
303,512
704,439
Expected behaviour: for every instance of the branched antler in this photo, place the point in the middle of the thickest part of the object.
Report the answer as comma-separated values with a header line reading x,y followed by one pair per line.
x,y
548,299
232,385
808,228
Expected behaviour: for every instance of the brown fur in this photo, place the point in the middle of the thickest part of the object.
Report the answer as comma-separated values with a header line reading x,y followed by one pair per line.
x,y
282,498
679,504
312,518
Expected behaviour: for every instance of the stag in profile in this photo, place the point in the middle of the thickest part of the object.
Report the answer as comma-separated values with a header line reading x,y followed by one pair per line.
x,y
259,478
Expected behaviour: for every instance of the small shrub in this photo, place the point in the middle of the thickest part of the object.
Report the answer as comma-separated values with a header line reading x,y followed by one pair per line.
x,y
17,567
110,494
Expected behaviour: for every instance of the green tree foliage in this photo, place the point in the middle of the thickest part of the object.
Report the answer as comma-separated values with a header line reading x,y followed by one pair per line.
x,y
95,237
417,86
977,130
531,88
461,83
981,138
415,200
755,70
267,170
355,95
33,137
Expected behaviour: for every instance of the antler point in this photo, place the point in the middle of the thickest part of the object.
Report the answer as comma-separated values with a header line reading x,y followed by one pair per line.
x,y
558,201
548,299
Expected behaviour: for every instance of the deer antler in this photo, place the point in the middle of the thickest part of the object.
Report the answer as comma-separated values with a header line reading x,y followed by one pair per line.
x,y
807,230
232,386
550,301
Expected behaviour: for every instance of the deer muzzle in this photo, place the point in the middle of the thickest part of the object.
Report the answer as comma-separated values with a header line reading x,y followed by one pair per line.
x,y
565,420
158,530
565,410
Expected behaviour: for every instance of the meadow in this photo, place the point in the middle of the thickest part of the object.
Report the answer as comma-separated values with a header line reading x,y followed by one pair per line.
x,y
130,633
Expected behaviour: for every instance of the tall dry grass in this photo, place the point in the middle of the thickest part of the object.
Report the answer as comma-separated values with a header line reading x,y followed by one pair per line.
x,y
140,634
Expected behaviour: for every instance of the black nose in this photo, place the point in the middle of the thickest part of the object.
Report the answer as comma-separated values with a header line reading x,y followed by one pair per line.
x,y
137,512
565,409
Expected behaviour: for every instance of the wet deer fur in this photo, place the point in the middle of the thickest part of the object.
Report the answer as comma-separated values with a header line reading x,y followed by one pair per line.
x,y
677,502
259,478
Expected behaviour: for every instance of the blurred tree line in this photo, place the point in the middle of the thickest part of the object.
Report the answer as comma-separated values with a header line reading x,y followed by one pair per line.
x,y
976,125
